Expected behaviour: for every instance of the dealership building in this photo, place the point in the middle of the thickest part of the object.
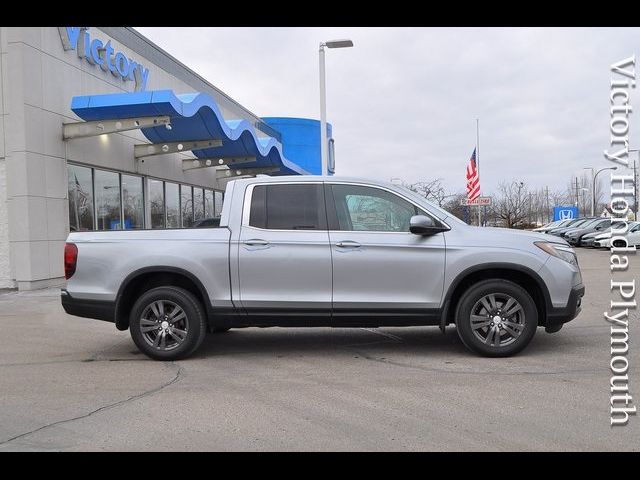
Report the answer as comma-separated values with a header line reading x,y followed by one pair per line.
x,y
101,129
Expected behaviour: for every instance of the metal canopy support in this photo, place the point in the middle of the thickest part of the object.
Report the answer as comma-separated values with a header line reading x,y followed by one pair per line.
x,y
237,172
149,149
192,164
100,127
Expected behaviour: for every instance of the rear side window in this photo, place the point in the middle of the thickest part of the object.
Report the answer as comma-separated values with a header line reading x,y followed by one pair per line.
x,y
288,207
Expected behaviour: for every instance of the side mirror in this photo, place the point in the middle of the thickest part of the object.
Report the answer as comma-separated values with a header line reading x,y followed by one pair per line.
x,y
423,225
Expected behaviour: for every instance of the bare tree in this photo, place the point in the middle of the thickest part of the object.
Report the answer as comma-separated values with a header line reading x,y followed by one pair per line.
x,y
511,204
581,194
432,190
453,206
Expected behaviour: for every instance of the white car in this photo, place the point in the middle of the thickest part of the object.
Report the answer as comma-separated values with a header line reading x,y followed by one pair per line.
x,y
603,240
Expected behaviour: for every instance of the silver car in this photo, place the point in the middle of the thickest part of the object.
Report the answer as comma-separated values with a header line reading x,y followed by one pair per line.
x,y
323,251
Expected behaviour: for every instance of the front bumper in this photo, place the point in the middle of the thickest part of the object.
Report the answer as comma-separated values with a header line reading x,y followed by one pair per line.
x,y
558,316
587,242
80,307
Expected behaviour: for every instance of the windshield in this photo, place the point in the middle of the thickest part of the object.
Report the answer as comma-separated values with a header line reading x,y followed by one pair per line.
x,y
579,223
594,223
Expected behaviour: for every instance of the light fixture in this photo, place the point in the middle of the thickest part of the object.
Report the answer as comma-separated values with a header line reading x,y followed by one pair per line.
x,y
339,43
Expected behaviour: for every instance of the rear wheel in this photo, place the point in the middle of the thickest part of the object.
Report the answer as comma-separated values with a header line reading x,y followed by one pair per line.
x,y
496,318
167,323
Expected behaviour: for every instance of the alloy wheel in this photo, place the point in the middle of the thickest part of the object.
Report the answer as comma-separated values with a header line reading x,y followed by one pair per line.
x,y
497,319
164,325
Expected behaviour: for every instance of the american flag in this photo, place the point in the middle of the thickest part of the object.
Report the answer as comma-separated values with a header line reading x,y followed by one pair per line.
x,y
473,178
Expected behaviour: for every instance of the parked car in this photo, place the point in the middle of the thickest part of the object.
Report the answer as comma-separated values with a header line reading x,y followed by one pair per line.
x,y
578,222
603,240
323,251
575,235
588,240
551,226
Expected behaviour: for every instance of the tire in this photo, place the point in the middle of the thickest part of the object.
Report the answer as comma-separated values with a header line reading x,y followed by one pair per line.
x,y
154,310
490,336
220,329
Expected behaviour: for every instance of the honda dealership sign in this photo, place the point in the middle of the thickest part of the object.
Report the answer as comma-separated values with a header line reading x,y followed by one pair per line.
x,y
98,53
565,213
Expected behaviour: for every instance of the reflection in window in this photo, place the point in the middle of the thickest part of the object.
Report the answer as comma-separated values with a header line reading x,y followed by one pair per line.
x,y
371,209
208,203
173,205
156,203
198,204
133,202
218,204
107,193
186,205
80,189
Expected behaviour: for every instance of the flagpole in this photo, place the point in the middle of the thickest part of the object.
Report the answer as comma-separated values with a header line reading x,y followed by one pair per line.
x,y
478,162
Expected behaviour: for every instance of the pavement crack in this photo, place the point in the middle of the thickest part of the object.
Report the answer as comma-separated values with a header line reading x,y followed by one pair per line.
x,y
178,376
463,372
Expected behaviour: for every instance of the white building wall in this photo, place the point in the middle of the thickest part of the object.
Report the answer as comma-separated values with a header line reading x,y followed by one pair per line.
x,y
39,79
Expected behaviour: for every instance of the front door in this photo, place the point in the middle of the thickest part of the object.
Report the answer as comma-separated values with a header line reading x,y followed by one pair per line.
x,y
379,267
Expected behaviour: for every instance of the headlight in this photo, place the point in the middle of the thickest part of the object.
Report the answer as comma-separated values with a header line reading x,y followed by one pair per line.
x,y
562,252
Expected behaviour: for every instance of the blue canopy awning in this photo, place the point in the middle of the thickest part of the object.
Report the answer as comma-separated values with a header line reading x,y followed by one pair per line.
x,y
194,116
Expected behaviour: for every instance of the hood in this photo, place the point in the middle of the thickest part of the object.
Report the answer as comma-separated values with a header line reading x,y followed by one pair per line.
x,y
602,236
509,237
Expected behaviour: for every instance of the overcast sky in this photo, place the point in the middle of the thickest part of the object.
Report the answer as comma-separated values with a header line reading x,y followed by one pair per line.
x,y
403,101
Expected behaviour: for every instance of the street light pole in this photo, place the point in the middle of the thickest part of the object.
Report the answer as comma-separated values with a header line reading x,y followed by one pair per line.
x,y
324,147
323,114
593,203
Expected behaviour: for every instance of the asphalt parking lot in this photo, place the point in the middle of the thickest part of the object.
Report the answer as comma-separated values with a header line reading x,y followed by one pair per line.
x,y
68,383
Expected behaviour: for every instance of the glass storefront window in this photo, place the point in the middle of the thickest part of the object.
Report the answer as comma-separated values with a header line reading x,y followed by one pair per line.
x,y
80,189
208,203
133,202
218,204
155,189
186,205
105,200
173,205
198,203
107,194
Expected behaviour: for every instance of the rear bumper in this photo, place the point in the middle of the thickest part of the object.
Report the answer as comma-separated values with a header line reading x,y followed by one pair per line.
x,y
97,309
556,317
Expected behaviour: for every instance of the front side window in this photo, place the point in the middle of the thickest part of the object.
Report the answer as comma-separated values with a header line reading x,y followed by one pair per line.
x,y
80,190
288,207
360,208
107,192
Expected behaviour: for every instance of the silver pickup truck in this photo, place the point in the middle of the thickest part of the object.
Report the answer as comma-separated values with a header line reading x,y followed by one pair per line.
x,y
323,251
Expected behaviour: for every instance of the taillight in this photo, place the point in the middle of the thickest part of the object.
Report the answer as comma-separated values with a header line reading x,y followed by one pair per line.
x,y
70,259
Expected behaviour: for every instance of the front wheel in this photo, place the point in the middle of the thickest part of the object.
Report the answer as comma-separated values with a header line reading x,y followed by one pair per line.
x,y
496,318
167,323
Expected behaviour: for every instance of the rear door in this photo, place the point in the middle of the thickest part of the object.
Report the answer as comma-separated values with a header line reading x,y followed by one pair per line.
x,y
283,252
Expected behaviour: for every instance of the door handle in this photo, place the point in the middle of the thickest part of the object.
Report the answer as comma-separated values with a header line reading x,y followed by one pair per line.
x,y
256,242
348,244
